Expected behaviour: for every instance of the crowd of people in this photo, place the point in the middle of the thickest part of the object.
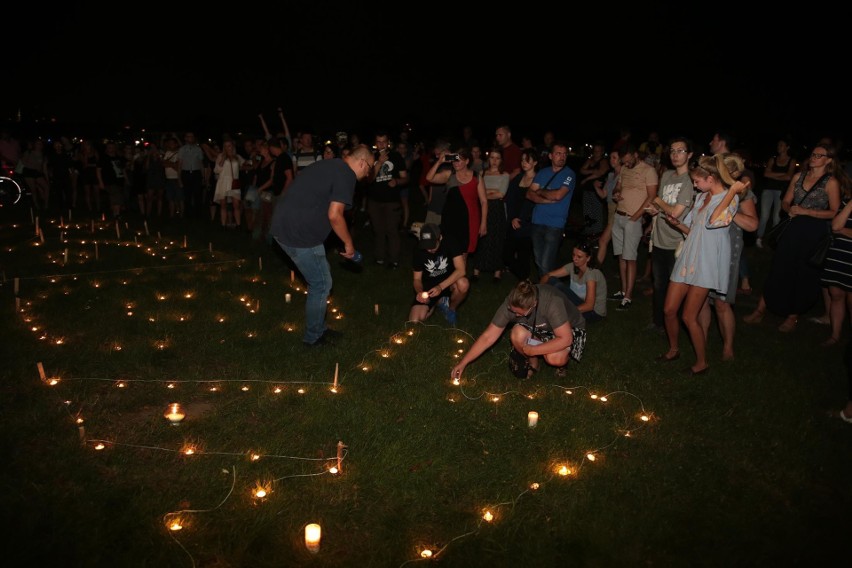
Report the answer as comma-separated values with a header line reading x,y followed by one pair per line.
x,y
495,209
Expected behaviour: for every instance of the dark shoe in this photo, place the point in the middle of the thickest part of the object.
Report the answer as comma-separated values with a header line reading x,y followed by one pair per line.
x,y
332,334
691,373
318,343
664,358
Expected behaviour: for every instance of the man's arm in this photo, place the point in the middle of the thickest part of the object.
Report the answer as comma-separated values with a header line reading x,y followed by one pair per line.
x,y
340,228
651,193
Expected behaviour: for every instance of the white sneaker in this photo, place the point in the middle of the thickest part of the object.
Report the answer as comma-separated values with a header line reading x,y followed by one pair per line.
x,y
759,243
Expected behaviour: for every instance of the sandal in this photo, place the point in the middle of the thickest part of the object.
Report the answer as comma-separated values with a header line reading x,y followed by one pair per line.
x,y
788,326
666,358
754,317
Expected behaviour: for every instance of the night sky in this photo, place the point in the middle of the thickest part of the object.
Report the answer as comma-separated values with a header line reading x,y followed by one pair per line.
x,y
579,70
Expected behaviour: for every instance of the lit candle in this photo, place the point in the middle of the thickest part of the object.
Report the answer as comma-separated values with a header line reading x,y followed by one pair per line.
x,y
532,419
174,413
184,241
376,309
424,295
313,535
287,298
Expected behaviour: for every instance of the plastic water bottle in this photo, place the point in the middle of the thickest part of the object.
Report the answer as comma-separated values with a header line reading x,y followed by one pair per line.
x,y
357,257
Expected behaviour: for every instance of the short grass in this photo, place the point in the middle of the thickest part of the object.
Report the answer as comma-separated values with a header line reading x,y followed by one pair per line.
x,y
740,467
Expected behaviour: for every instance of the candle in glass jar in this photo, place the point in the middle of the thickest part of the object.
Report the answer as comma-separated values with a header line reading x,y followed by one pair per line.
x,y
532,419
174,414
313,535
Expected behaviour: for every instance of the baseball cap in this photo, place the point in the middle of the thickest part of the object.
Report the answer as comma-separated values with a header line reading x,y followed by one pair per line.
x,y
430,234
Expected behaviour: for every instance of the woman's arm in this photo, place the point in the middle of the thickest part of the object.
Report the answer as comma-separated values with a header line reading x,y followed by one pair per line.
x,y
436,177
838,224
588,304
557,273
746,216
483,203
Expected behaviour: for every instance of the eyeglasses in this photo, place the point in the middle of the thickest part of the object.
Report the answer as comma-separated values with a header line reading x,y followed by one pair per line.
x,y
516,314
818,155
677,151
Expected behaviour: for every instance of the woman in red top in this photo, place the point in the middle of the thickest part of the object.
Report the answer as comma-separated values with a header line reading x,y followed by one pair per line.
x,y
466,208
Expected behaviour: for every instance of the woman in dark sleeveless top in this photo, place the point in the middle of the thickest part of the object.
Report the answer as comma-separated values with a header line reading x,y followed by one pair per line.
x,y
594,168
812,199
776,177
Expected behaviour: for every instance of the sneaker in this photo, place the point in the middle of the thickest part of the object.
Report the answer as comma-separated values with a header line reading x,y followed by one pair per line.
x,y
624,305
451,316
332,334
443,305
759,243
617,297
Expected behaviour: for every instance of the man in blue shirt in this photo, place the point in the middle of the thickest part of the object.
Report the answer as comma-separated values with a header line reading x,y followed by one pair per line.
x,y
551,191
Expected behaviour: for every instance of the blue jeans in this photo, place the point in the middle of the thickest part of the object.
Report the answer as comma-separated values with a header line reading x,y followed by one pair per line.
x,y
546,241
314,267
770,201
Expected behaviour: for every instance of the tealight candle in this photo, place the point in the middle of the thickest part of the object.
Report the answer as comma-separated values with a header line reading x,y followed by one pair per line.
x,y
287,298
424,295
532,419
174,414
313,535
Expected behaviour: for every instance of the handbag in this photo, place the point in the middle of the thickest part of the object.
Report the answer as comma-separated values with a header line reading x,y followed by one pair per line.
x,y
817,256
773,236
235,180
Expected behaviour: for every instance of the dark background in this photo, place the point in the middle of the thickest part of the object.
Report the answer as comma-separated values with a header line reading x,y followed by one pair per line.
x,y
584,71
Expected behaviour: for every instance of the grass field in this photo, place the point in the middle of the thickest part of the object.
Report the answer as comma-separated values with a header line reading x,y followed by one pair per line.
x,y
740,467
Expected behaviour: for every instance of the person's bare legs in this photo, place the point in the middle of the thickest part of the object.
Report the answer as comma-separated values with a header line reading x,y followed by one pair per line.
x,y
837,313
695,298
627,268
674,297
603,243
727,327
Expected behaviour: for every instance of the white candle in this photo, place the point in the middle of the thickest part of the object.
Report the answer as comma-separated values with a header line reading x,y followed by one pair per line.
x,y
184,241
287,298
260,263
174,414
146,229
36,226
313,535
376,309
532,419
424,295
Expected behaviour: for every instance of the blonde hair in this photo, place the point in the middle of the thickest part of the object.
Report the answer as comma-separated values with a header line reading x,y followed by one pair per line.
x,y
725,167
523,295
